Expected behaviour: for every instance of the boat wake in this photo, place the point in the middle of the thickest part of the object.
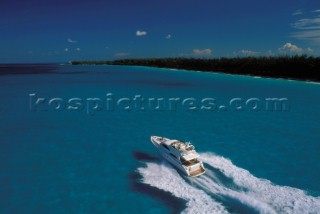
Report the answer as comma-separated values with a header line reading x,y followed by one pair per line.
x,y
227,188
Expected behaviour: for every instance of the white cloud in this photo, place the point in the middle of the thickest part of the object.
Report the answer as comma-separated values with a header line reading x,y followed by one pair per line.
x,y
78,49
121,54
309,50
203,52
311,35
66,49
246,53
288,47
307,30
297,12
168,36
316,11
307,24
141,33
269,53
71,40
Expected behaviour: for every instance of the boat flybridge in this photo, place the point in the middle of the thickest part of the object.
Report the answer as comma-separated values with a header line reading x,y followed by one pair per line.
x,y
180,154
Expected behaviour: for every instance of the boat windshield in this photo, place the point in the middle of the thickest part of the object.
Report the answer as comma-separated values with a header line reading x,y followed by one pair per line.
x,y
183,146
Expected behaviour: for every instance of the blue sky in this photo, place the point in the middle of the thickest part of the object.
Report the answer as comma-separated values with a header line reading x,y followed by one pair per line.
x,y
63,30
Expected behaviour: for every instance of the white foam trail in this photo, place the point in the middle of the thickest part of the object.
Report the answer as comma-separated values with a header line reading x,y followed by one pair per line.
x,y
252,194
281,198
248,201
166,178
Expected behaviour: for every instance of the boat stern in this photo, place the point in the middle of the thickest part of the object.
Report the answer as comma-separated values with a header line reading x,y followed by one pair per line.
x,y
196,170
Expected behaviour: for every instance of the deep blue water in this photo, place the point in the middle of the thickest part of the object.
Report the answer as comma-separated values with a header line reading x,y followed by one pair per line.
x,y
74,162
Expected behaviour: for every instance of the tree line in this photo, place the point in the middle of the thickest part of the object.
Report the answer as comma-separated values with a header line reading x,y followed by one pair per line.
x,y
289,67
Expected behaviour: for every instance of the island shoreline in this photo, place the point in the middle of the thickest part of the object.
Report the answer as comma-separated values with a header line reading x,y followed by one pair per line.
x,y
298,68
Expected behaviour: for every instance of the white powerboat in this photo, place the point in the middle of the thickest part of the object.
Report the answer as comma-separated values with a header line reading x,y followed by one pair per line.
x,y
182,155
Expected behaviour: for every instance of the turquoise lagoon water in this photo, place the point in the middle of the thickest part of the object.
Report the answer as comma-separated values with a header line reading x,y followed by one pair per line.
x,y
75,162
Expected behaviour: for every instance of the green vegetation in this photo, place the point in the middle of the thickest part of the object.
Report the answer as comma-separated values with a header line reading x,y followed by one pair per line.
x,y
289,67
